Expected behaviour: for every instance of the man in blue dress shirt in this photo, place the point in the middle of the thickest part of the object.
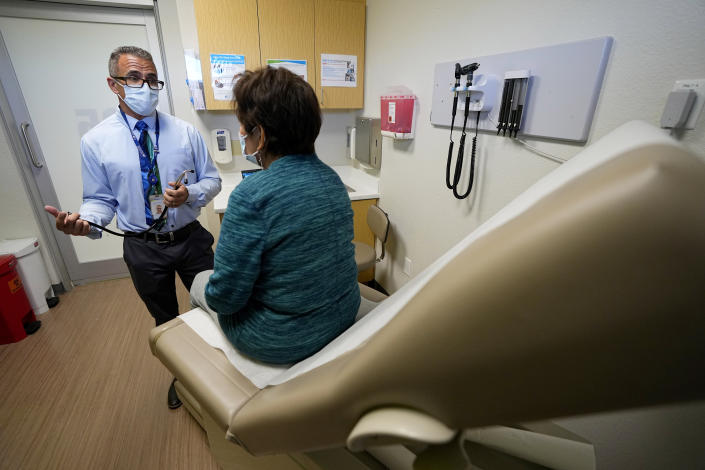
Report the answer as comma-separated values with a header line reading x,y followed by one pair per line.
x,y
131,163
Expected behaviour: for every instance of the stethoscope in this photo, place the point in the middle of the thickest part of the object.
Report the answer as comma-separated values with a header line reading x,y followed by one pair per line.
x,y
181,177
152,178
459,71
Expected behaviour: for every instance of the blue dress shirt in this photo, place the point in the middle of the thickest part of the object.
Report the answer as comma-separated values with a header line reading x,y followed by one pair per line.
x,y
112,178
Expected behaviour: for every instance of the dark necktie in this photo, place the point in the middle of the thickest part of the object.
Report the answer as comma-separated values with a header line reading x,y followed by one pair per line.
x,y
145,141
146,144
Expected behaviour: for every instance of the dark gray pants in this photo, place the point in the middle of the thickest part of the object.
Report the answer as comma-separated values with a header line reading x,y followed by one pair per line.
x,y
198,294
153,267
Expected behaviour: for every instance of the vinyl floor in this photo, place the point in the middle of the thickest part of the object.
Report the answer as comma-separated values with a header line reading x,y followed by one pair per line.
x,y
85,392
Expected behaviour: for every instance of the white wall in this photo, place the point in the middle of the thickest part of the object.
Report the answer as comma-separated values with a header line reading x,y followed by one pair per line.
x,y
655,44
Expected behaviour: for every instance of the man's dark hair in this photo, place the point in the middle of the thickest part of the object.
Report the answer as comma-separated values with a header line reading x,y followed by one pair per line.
x,y
129,50
284,104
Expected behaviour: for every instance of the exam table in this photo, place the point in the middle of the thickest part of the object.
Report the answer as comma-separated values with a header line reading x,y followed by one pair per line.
x,y
585,294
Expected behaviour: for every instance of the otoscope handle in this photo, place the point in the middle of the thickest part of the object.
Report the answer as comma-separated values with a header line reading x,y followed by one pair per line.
x,y
472,173
502,106
459,161
461,147
450,157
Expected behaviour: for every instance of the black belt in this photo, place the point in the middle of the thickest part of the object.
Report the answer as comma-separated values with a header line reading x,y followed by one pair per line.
x,y
169,237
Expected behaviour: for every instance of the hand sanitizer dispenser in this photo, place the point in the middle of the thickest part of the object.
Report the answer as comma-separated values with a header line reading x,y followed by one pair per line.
x,y
222,148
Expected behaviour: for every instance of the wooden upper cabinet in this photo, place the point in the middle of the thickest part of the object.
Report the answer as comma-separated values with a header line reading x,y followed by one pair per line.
x,y
226,27
286,32
284,29
340,29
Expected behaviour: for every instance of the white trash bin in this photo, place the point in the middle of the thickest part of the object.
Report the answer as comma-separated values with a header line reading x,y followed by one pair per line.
x,y
30,267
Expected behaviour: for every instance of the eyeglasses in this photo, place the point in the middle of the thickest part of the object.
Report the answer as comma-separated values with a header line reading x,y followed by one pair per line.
x,y
137,82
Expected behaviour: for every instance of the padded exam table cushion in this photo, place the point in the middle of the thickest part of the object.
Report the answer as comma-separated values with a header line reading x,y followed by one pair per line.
x,y
582,295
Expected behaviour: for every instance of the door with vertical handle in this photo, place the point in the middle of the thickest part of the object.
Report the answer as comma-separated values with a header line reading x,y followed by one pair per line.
x,y
53,69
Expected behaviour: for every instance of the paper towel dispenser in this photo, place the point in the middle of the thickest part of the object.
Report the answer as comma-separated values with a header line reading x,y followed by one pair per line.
x,y
368,142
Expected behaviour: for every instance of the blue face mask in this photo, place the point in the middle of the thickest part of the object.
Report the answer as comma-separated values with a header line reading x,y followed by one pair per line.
x,y
253,157
142,101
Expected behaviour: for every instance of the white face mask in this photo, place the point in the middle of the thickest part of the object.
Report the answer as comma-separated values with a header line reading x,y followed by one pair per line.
x,y
142,101
250,155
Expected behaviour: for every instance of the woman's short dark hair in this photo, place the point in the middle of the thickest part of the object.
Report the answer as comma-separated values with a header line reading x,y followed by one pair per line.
x,y
284,104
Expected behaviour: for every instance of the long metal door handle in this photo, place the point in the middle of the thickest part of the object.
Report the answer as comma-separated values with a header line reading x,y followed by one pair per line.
x,y
36,163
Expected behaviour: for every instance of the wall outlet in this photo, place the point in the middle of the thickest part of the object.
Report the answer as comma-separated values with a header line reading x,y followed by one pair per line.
x,y
407,266
698,86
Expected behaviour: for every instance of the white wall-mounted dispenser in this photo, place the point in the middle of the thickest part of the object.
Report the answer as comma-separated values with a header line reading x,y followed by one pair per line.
x,y
222,148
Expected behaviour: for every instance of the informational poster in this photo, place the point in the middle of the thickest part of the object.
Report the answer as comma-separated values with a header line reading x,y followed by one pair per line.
x,y
339,70
194,79
226,69
296,66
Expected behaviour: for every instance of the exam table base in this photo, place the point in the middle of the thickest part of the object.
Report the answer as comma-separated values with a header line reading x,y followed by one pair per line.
x,y
454,455
233,457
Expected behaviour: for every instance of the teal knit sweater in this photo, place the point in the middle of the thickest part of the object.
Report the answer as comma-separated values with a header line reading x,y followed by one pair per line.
x,y
285,279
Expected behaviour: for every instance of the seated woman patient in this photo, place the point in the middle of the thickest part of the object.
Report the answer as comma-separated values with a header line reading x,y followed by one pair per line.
x,y
284,282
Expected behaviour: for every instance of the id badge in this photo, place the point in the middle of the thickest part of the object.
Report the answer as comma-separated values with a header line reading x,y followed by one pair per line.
x,y
156,204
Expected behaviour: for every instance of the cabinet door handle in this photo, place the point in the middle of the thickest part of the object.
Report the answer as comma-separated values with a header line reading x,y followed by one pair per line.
x,y
35,162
